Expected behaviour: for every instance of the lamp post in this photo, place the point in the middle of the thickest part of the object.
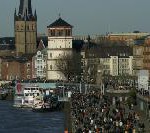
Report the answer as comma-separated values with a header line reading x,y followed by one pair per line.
x,y
99,80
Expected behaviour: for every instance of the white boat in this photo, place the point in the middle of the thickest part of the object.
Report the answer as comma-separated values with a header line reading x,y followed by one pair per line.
x,y
26,95
42,107
32,94
50,103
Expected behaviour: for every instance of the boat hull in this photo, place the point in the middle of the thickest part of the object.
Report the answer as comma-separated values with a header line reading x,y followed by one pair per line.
x,y
43,109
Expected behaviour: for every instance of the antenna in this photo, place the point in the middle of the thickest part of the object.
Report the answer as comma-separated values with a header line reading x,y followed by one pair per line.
x,y
109,28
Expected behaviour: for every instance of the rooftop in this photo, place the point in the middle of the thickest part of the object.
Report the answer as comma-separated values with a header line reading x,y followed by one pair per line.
x,y
59,23
107,51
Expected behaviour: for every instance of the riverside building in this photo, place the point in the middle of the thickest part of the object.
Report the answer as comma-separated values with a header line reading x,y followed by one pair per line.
x,y
59,46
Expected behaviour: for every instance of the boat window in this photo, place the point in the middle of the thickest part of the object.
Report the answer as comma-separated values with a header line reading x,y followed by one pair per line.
x,y
27,88
26,94
26,101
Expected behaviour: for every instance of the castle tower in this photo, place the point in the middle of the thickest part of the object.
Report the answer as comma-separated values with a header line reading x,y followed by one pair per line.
x,y
25,28
59,44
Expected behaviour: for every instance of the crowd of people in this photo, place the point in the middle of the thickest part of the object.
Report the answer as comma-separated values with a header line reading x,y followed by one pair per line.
x,y
143,92
94,113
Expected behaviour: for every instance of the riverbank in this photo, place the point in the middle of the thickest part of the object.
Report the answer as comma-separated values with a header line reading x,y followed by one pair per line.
x,y
68,119
7,96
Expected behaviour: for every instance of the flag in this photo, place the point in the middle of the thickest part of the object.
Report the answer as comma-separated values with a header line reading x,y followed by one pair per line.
x,y
18,86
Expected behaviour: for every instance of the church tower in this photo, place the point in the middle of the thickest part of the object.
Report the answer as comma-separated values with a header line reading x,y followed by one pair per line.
x,y
25,28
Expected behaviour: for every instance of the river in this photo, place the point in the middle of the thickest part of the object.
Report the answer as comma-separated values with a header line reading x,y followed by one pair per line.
x,y
14,120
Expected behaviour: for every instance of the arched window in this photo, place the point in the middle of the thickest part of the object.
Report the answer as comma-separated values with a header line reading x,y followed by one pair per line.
x,y
51,67
51,55
33,27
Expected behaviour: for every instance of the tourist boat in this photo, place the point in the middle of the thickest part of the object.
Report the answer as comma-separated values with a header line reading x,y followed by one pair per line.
x,y
49,103
42,107
30,94
26,94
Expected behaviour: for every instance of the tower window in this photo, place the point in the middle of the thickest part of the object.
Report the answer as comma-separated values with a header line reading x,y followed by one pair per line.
x,y
17,27
51,67
22,27
52,33
33,27
50,54
28,27
69,32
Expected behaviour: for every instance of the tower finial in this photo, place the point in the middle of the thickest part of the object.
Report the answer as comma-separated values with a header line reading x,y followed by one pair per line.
x,y
59,15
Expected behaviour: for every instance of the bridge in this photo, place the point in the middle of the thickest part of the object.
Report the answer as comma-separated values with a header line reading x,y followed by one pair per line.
x,y
63,99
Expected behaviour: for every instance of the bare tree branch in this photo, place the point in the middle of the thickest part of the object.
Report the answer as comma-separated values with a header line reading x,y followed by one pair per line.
x,y
69,65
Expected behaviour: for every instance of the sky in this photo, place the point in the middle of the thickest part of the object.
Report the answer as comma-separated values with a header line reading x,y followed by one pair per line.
x,y
89,17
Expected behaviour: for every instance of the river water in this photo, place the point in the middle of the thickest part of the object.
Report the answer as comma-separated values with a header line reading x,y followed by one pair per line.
x,y
14,120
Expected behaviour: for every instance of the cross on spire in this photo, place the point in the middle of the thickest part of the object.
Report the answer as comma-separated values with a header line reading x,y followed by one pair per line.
x,y
59,15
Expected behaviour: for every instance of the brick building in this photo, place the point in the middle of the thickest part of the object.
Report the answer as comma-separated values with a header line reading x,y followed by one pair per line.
x,y
16,68
141,54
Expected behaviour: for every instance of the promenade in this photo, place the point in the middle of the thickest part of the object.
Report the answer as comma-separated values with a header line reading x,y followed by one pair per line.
x,y
94,113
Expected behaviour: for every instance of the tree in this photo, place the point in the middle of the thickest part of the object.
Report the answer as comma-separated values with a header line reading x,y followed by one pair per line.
x,y
70,65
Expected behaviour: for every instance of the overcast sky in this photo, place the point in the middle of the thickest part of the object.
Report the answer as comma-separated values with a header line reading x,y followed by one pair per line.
x,y
87,16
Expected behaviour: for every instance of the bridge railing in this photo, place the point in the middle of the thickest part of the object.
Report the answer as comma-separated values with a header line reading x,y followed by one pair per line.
x,y
63,99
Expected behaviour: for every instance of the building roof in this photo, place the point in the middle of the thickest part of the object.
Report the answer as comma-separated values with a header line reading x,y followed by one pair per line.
x,y
130,34
7,43
108,51
41,85
41,45
7,40
12,58
44,38
59,23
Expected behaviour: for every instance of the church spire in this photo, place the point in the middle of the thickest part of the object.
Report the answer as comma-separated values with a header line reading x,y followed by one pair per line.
x,y
25,8
35,15
15,12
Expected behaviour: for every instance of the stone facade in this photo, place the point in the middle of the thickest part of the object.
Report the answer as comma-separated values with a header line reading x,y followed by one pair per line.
x,y
141,54
39,64
126,36
25,37
114,61
25,27
59,46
